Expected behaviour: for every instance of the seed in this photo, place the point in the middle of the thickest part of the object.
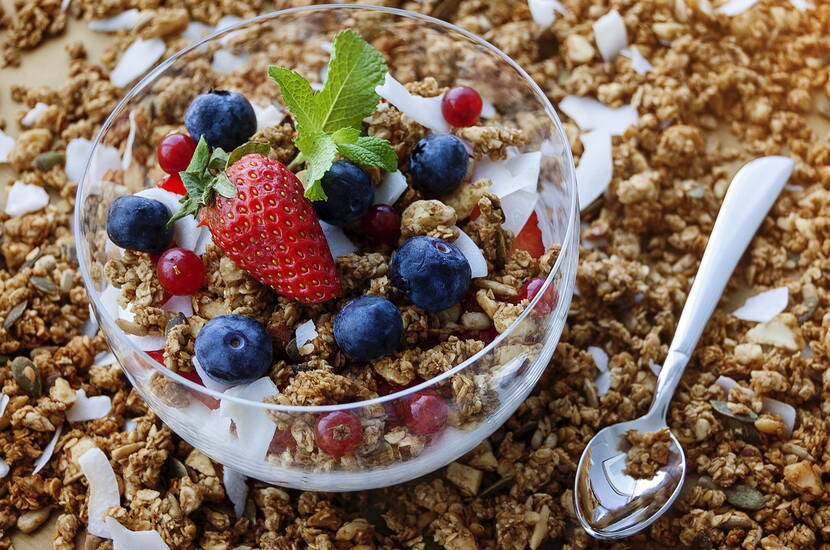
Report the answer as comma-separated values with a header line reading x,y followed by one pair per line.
x,y
46,161
27,376
501,485
44,285
15,314
745,497
67,278
178,319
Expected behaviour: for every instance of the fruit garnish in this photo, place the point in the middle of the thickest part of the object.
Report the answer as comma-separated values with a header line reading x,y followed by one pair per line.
x,y
337,433
223,119
174,152
461,106
329,122
431,272
234,349
529,238
381,224
138,223
368,328
438,164
172,183
180,271
529,291
349,194
424,412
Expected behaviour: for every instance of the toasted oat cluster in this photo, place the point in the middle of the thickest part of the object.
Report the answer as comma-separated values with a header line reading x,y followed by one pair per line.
x,y
756,470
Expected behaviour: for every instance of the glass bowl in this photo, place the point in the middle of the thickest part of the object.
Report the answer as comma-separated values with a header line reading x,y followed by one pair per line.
x,y
249,435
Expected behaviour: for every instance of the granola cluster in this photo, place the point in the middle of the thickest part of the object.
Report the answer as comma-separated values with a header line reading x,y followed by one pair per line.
x,y
761,75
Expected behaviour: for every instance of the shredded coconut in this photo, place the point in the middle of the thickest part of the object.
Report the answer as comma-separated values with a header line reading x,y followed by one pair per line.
x,y
610,34
124,20
137,60
24,198
34,114
88,408
46,455
595,167
764,306
590,114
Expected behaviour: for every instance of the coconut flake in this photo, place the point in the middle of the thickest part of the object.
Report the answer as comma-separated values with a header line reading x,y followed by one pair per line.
x,y
65,4
34,114
639,63
603,383
339,243
225,22
600,358
179,304
471,251
24,198
544,11
236,488
518,207
590,114
137,60
4,468
610,35
774,333
48,450
4,402
147,343
267,116
423,110
128,147
6,146
208,382
126,539
226,62
129,425
518,173
391,188
104,359
103,489
124,20
88,408
802,5
186,230
764,306
305,333
78,150
488,110
196,31
253,425
202,242
785,411
596,167
734,7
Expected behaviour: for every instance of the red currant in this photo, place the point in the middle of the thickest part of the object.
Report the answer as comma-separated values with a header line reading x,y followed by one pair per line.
x,y
174,184
181,272
158,355
174,152
529,291
281,441
529,238
488,335
425,412
337,433
461,106
382,224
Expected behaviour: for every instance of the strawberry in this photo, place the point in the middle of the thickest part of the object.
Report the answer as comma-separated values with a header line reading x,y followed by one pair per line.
x,y
260,219
529,238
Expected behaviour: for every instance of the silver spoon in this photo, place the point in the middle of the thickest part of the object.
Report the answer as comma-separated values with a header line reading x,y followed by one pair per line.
x,y
609,503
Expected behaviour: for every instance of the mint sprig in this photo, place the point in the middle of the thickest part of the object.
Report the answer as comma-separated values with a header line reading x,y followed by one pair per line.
x,y
206,175
328,122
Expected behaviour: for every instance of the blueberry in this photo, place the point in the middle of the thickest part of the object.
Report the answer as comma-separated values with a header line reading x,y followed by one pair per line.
x,y
368,327
431,272
234,349
350,194
438,164
225,119
138,223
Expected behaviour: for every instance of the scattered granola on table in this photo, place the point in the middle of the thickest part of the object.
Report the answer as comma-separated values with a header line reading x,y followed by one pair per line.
x,y
754,480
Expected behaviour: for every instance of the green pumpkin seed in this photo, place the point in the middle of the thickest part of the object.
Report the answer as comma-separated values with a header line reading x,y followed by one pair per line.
x,y
27,376
722,407
742,425
175,468
44,285
810,302
176,320
15,314
293,352
745,497
46,161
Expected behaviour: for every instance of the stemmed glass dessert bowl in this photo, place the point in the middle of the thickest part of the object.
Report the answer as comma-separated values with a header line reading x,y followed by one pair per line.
x,y
247,431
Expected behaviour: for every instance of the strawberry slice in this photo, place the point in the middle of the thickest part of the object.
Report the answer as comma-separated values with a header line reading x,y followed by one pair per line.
x,y
173,183
193,376
529,238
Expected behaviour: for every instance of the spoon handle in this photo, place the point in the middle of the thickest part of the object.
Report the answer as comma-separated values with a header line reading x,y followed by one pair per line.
x,y
751,194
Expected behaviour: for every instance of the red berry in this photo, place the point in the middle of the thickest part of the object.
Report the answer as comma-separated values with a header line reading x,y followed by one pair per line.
x,y
461,106
281,441
529,291
174,153
381,224
488,335
529,238
158,355
193,376
337,433
393,415
425,412
174,184
469,302
181,272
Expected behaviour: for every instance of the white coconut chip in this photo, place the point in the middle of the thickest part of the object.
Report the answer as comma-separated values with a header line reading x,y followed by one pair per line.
x,y
590,114
103,489
518,206
639,63
104,359
423,110
6,146
225,61
4,468
225,22
655,368
802,5
34,114
764,306
784,411
126,539
25,198
305,333
204,240
65,4
179,304
124,20
48,451
186,230
488,110
90,326
209,382
735,7
471,251
603,383
596,167
137,60
544,11
4,402
391,188
610,35
109,299
78,150
196,31
129,425
253,425
267,116
236,488
88,408
127,159
518,173
774,333
600,358
147,343
339,243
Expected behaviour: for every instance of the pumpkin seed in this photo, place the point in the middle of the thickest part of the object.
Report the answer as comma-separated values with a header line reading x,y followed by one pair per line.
x,y
293,352
175,468
810,302
46,161
27,376
745,497
177,319
742,425
44,285
15,314
722,407
501,250
67,278
501,485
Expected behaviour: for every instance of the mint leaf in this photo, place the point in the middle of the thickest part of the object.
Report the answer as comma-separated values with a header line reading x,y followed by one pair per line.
x,y
222,184
193,182
218,159
246,149
319,151
190,205
200,158
346,135
298,96
370,151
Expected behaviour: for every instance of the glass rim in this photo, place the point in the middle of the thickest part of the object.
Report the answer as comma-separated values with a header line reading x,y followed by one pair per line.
x,y
567,242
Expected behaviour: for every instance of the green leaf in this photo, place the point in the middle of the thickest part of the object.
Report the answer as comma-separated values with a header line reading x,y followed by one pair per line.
x,y
346,135
193,182
218,159
190,205
223,185
319,151
298,96
349,96
247,149
370,151
200,158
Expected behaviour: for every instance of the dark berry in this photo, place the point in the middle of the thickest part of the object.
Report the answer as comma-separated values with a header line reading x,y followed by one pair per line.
x,y
349,193
381,224
438,164
174,153
225,119
368,327
488,335
180,271
461,106
431,272
137,223
234,349
337,433
529,291
424,412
